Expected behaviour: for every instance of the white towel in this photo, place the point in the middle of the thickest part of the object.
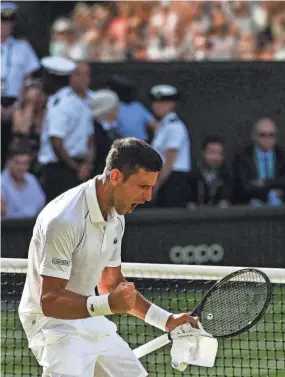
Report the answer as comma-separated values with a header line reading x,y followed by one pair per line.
x,y
192,346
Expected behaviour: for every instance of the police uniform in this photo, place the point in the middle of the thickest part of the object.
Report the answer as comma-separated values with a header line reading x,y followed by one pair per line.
x,y
69,118
18,59
172,134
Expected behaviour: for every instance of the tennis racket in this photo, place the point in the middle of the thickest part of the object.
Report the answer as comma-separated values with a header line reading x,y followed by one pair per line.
x,y
232,306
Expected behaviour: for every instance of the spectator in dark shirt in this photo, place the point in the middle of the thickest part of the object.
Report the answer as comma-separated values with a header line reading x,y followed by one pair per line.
x,y
210,181
260,167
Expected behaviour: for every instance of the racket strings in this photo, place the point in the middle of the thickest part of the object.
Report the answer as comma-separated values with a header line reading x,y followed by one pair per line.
x,y
235,304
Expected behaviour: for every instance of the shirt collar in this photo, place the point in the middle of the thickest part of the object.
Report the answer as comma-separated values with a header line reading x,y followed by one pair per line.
x,y
93,205
168,117
8,176
261,152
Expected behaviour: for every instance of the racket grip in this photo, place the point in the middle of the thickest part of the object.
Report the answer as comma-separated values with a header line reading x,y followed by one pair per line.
x,y
152,346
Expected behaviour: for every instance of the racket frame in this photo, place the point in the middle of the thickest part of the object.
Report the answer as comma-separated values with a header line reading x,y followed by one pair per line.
x,y
198,310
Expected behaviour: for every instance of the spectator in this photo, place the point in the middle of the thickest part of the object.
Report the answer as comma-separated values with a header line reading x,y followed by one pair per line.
x,y
80,81
133,118
27,120
210,181
105,110
175,30
172,142
66,151
18,61
21,193
260,167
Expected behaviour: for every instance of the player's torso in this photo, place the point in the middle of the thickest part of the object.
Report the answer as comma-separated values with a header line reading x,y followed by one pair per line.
x,y
96,249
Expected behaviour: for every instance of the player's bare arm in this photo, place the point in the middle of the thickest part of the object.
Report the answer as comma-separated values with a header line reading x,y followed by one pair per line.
x,y
112,277
59,302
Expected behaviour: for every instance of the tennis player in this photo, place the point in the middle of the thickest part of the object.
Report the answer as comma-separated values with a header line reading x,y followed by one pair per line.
x,y
76,246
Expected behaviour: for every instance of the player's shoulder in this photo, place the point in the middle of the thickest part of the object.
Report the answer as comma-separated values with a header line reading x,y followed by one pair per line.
x,y
65,213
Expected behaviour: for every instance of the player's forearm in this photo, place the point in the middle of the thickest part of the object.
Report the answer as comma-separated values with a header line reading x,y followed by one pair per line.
x,y
64,304
141,307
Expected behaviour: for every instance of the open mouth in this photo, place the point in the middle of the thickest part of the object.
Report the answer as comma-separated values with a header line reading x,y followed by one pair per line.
x,y
133,206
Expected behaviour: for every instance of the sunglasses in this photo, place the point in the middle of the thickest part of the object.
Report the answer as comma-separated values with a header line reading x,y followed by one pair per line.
x,y
267,134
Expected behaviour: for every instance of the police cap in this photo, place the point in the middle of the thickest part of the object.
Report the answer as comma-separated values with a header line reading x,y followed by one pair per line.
x,y
8,11
164,93
57,65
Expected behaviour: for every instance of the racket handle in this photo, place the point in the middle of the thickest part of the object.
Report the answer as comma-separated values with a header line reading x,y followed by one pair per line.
x,y
152,346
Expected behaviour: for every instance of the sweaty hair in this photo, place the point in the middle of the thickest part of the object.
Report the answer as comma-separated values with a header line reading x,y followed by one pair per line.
x,y
131,154
212,139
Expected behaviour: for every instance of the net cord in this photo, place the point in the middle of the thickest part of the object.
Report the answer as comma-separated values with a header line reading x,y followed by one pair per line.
x,y
161,271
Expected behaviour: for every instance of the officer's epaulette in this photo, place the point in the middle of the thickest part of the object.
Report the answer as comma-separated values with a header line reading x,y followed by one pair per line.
x,y
56,101
175,119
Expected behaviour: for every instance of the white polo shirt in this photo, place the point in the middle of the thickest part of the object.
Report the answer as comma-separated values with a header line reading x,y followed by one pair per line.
x,y
68,117
172,134
17,60
72,241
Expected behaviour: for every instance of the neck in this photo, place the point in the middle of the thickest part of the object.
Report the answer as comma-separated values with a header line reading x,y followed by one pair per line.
x,y
4,38
79,92
104,195
18,182
264,149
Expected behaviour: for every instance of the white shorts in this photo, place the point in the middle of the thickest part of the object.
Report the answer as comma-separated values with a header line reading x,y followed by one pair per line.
x,y
86,348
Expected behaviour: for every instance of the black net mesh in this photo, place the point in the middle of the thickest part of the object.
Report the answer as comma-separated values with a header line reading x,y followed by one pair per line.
x,y
257,353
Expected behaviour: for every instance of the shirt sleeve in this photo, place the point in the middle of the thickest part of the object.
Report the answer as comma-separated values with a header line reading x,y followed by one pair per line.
x,y
59,124
175,136
59,245
116,258
31,60
148,115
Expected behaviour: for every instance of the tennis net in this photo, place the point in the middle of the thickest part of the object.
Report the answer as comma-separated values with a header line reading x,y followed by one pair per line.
x,y
257,353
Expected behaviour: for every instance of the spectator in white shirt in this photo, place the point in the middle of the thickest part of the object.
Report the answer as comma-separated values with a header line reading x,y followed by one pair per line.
x,y
18,62
21,193
65,151
172,142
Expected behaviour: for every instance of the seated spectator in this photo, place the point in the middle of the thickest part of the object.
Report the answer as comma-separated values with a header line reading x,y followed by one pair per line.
x,y
105,110
28,119
210,180
21,193
260,167
133,118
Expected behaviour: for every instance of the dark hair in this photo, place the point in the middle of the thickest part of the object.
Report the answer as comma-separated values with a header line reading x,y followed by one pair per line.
x,y
212,139
131,154
17,148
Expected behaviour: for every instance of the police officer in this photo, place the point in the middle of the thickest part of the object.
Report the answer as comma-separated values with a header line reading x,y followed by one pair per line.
x,y
66,151
172,142
18,62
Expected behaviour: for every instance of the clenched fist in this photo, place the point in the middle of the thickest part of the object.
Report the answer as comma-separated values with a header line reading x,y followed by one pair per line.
x,y
123,298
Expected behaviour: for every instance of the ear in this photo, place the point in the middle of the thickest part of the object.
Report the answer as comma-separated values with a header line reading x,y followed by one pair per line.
x,y
116,177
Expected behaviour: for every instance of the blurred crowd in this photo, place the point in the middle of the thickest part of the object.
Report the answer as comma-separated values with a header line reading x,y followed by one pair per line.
x,y
172,30
56,131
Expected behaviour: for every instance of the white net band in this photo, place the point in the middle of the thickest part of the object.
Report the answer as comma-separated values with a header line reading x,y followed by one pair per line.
x,y
161,271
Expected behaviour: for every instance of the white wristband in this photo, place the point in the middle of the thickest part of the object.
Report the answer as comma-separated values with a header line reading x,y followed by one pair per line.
x,y
157,317
98,305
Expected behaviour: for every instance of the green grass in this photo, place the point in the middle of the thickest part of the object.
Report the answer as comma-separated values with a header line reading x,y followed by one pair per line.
x,y
257,353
